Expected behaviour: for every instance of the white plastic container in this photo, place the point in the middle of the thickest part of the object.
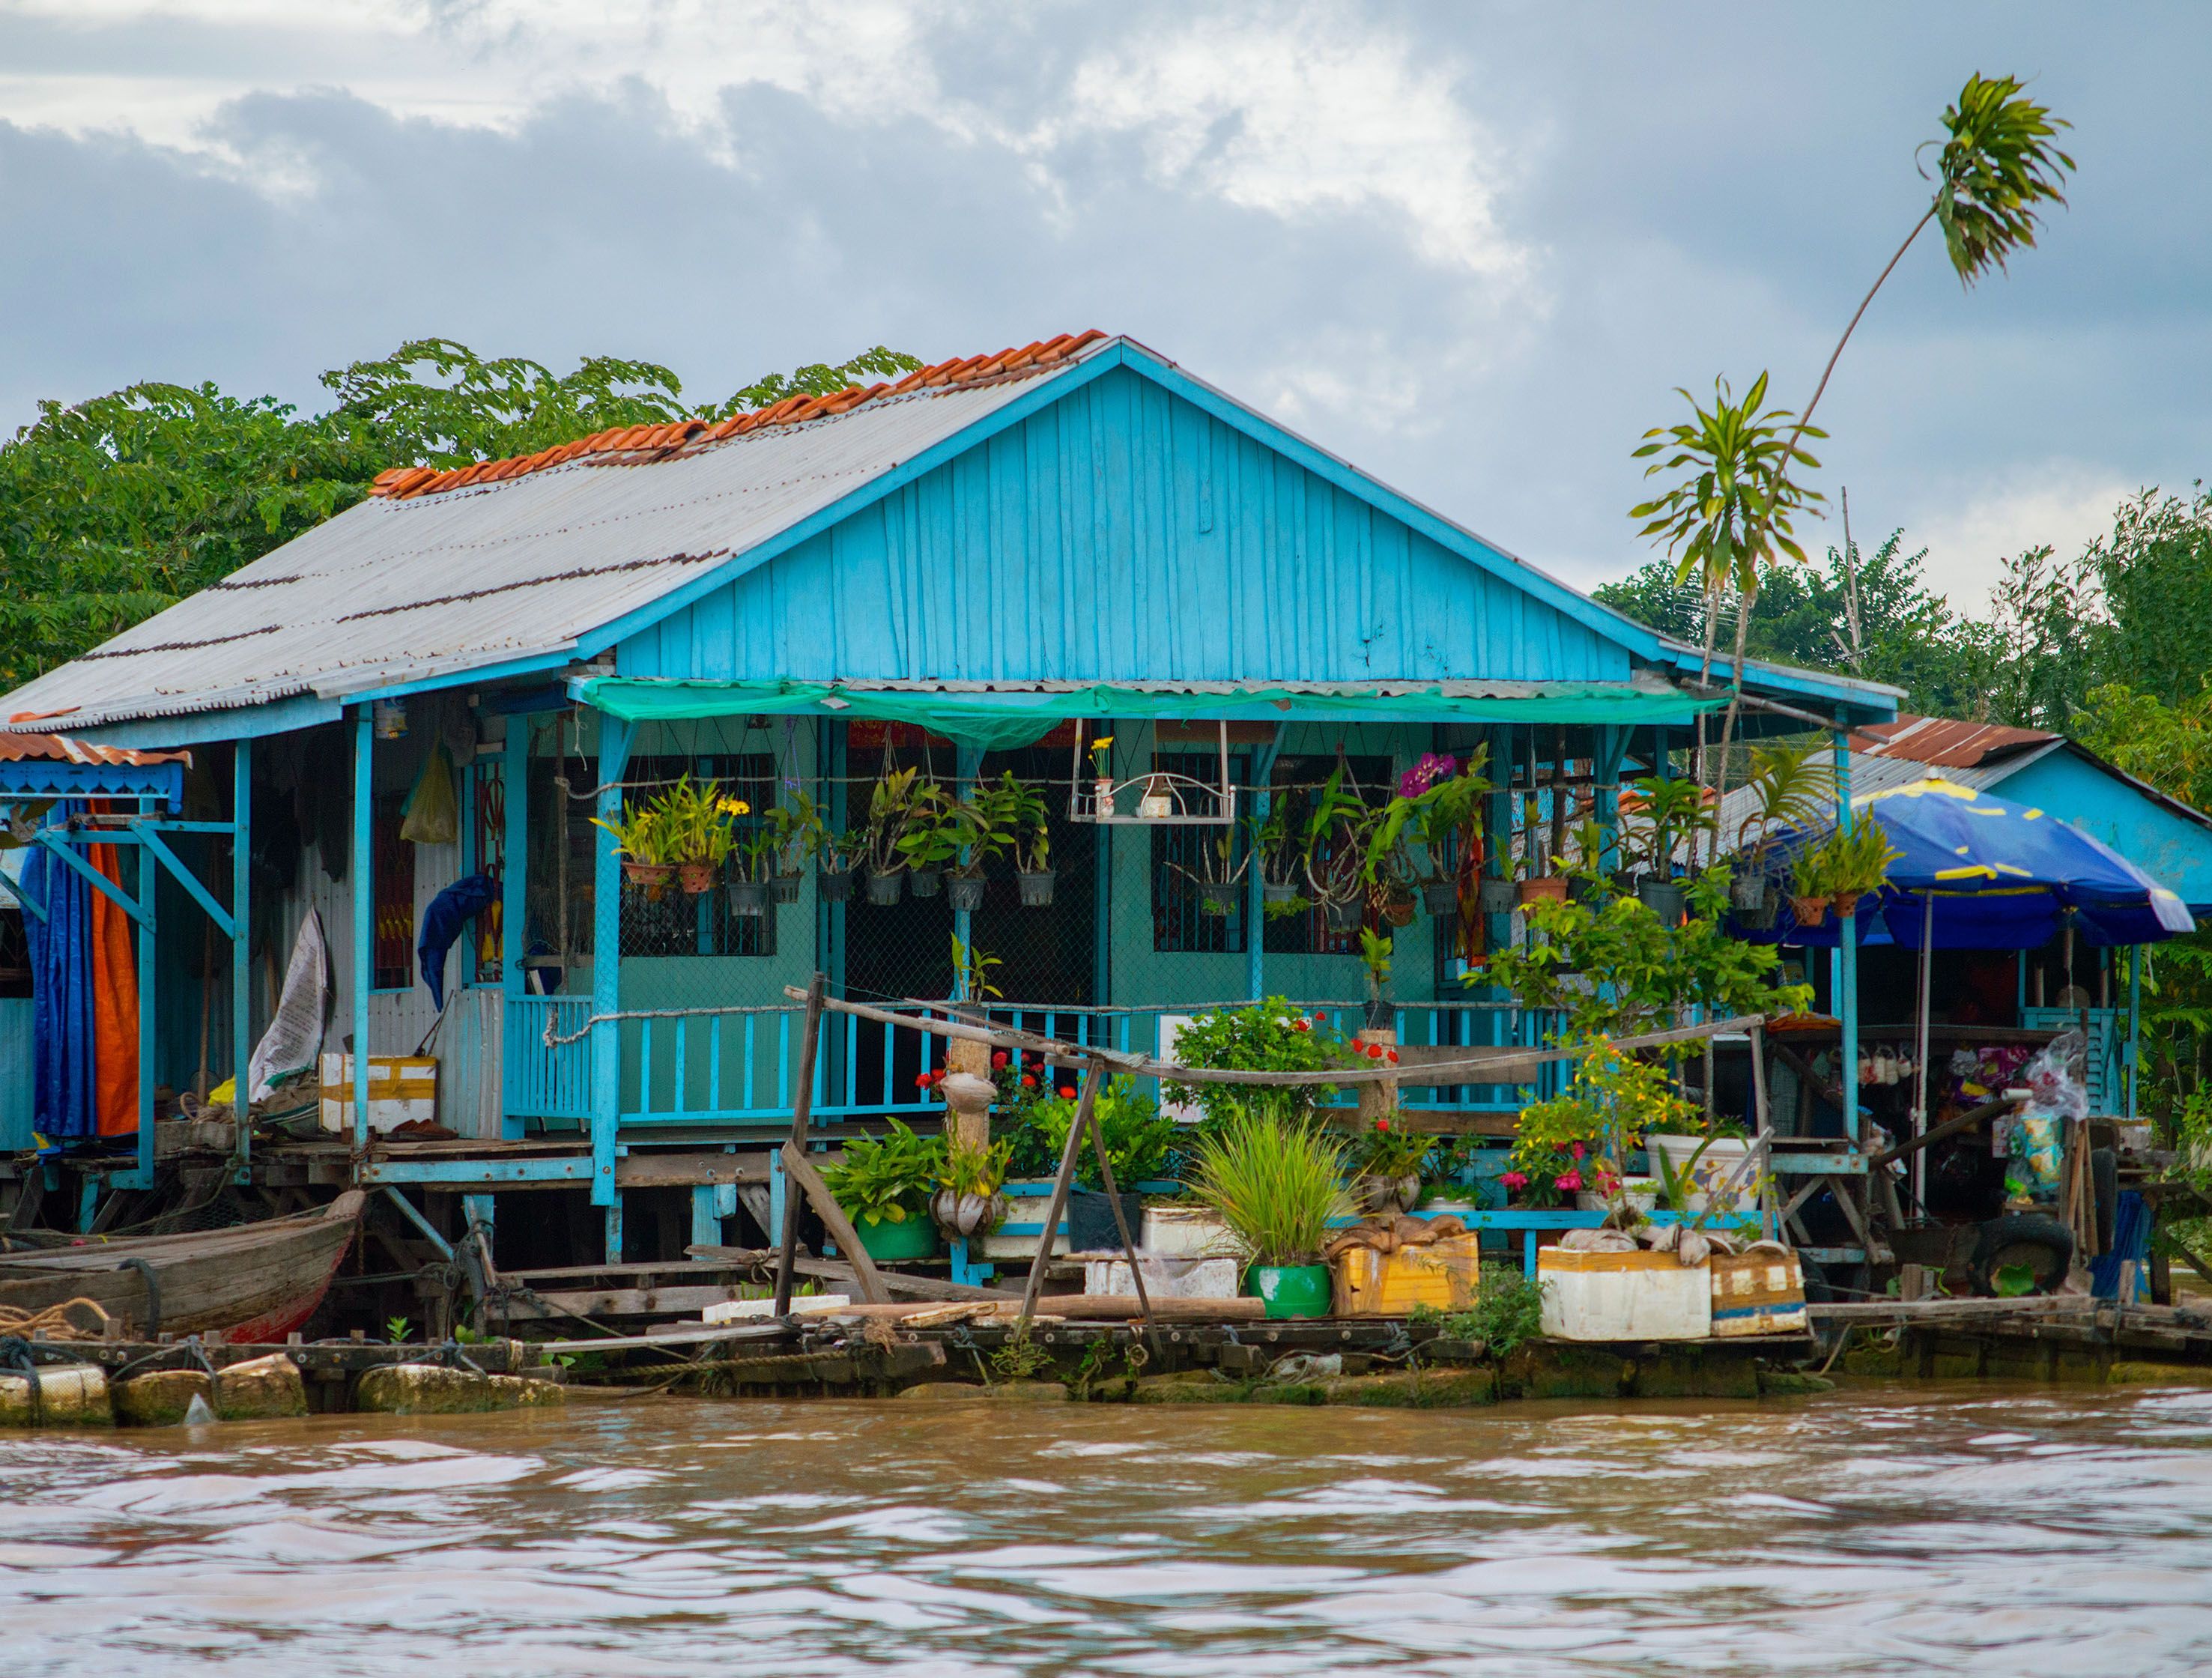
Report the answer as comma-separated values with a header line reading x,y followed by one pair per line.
x,y
1166,1278
1623,1296
1186,1231
802,1305
1642,1194
1715,1167
402,1088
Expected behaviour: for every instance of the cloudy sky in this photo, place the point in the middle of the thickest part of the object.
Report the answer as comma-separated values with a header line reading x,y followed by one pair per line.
x,y
1471,246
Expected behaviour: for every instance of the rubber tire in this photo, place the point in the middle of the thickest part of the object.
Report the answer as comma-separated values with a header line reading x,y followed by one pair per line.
x,y
1993,1248
2104,1186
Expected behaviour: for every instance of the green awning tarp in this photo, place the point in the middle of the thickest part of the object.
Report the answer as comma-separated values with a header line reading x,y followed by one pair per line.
x,y
1001,720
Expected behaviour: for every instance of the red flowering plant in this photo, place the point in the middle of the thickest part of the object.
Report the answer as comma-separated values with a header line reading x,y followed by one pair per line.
x,y
1578,1139
1389,1148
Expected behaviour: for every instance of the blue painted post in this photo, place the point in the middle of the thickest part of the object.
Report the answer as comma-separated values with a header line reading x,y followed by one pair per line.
x,y
968,764
148,878
1847,951
706,1215
615,736
1256,885
2135,1022
241,931
1497,928
478,1209
363,870
513,883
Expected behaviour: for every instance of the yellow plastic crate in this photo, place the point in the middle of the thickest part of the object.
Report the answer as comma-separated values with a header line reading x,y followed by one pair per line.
x,y
1444,1275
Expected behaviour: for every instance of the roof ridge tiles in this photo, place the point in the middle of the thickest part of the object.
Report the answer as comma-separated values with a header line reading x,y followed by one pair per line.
x,y
666,438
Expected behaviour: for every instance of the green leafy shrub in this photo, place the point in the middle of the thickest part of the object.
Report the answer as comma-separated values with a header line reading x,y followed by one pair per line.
x,y
888,1178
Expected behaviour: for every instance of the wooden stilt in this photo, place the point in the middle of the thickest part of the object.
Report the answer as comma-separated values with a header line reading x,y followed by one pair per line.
x,y
802,1108
1085,1104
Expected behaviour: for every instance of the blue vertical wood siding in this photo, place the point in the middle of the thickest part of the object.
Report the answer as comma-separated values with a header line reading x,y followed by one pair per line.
x,y
1121,534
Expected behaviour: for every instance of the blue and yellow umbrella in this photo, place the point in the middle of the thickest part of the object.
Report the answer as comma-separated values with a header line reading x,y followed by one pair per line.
x,y
1985,874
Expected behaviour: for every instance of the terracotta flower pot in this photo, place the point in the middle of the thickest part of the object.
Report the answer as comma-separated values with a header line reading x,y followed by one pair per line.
x,y
1547,889
651,875
696,879
1846,904
1809,911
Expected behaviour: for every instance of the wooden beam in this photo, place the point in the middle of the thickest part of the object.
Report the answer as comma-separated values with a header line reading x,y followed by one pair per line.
x,y
1085,1103
802,1108
866,1278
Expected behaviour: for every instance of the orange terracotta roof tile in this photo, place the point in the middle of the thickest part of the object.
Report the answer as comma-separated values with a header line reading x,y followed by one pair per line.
x,y
406,483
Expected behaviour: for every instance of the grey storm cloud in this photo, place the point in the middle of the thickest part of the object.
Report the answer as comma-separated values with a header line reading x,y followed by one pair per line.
x,y
1471,248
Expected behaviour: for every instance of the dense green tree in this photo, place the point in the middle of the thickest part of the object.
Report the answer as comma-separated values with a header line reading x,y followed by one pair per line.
x,y
114,508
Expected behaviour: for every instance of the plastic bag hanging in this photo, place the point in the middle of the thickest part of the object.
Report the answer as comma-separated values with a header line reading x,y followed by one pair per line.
x,y
432,815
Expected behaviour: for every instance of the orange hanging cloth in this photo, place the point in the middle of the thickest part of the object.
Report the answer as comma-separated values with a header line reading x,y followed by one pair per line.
x,y
114,1003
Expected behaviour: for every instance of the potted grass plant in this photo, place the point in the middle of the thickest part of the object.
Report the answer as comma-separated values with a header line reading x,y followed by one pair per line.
x,y
1276,1180
883,1184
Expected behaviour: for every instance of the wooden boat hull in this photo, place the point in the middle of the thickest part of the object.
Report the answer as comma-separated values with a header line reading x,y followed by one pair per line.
x,y
252,1283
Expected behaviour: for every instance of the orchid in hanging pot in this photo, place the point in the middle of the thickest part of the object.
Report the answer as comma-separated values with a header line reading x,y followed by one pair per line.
x,y
841,854
641,842
1434,823
1219,874
934,824
1020,815
1338,827
982,826
757,860
1275,854
891,807
1536,880
799,832
695,821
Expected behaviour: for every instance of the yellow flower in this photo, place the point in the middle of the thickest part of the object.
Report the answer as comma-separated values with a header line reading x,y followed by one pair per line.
x,y
736,807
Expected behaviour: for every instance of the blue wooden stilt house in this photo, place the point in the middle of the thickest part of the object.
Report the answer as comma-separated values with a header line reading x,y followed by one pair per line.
x,y
957,571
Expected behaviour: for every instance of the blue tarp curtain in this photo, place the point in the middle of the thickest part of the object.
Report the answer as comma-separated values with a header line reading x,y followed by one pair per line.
x,y
449,911
64,1102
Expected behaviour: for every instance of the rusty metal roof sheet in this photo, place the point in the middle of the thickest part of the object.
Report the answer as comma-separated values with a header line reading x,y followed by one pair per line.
x,y
60,749
1949,743
408,587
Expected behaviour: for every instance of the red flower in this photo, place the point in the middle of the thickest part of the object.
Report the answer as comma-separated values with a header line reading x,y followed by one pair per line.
x,y
1381,1124
937,1077
921,1081
1068,1092
1568,1181
1001,1059
1373,1051
1392,1057
1027,1082
1302,1025
1576,1149
1513,1179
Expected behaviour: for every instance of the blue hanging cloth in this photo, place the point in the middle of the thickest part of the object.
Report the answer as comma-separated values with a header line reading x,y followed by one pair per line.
x,y
449,911
64,1100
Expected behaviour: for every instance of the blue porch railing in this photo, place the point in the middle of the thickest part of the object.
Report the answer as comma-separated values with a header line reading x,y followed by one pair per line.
x,y
733,1069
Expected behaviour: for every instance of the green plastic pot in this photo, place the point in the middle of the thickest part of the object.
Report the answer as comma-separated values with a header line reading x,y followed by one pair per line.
x,y
915,1238
1290,1289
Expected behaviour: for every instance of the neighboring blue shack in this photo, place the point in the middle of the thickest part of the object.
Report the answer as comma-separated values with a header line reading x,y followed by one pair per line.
x,y
962,572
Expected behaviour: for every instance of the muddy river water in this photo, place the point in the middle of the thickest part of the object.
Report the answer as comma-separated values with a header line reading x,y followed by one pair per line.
x,y
1878,1530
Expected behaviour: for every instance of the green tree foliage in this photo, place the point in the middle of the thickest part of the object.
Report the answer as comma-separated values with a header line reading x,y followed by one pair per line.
x,y
113,509
1907,634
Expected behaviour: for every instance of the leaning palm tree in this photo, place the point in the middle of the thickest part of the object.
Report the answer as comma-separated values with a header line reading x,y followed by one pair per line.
x,y
1726,516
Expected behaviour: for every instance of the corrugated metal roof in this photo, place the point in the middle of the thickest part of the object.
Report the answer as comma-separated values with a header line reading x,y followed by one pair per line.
x,y
60,749
1950,742
410,589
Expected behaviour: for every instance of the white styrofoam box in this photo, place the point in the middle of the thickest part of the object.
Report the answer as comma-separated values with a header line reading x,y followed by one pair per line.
x,y
1186,1231
402,1089
802,1305
1624,1296
1166,1278
1009,1240
1718,1161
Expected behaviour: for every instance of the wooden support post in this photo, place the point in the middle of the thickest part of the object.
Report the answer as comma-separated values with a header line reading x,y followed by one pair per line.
x,y
802,1109
241,951
514,908
1085,1103
808,1181
1769,1221
362,868
1120,1223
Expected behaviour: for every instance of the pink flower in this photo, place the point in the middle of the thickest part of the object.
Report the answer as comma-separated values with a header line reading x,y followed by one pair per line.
x,y
1568,1181
1516,1180
1576,1149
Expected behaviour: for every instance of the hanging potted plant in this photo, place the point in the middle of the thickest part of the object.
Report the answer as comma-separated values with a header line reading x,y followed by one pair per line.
x,y
749,887
934,824
1858,863
1374,962
1536,882
1275,854
1027,823
800,836
641,841
1674,812
1588,880
1276,1182
698,822
983,825
1811,875
883,1184
1445,826
1386,1164
1335,858
841,854
969,1204
890,806
1788,788
1219,874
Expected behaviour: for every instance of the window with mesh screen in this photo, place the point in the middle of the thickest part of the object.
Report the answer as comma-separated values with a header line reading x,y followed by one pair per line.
x,y
488,812
1297,781
675,923
1184,920
392,964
